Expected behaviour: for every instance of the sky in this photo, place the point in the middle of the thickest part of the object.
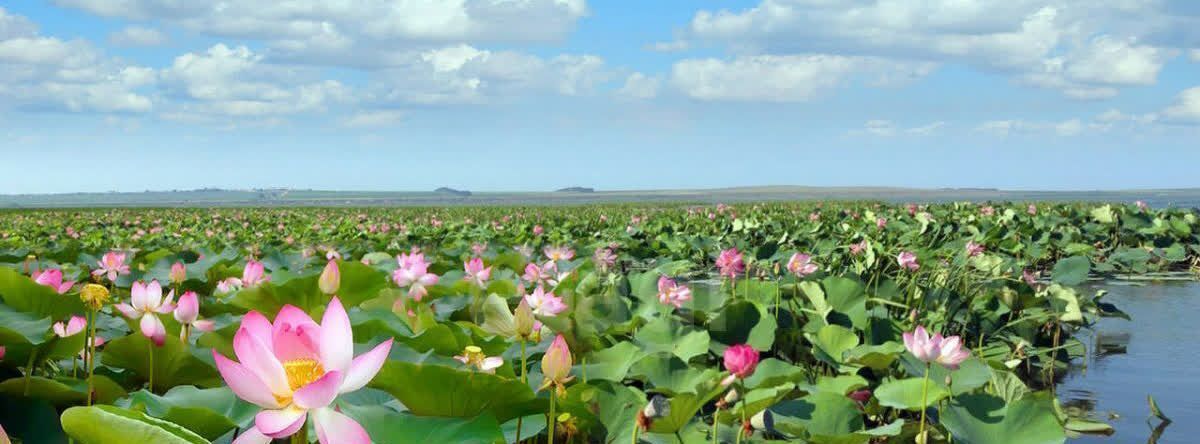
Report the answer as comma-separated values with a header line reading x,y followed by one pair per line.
x,y
527,95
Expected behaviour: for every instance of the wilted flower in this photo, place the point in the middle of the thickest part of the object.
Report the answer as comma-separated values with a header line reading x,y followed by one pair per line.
x,y
604,258
473,356
148,302
673,293
948,352
53,278
331,278
908,261
801,265
556,365
294,369
740,360
414,274
730,264
111,265
544,303
974,249
475,272
94,296
73,326
178,273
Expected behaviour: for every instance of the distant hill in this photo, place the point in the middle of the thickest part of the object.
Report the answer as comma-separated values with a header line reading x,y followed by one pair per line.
x,y
447,190
575,190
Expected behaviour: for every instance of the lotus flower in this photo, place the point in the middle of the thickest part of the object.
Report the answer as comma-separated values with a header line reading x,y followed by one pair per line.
x,y
473,357
559,253
670,292
254,274
1032,210
801,265
547,274
53,278
229,285
730,263
331,278
1029,277
556,365
148,302
881,223
1141,205
414,274
948,352
475,272
908,261
178,273
73,327
187,313
974,249
740,360
111,265
294,368
2,349
987,210
858,248
545,303
538,230
604,258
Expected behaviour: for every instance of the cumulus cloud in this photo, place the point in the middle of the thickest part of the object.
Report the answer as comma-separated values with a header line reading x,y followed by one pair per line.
x,y
374,118
1065,128
640,86
771,78
671,46
1186,108
138,36
41,72
888,128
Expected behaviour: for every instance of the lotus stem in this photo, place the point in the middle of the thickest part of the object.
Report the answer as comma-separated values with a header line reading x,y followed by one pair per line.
x,y
90,357
551,424
301,436
150,349
635,434
523,381
716,424
924,402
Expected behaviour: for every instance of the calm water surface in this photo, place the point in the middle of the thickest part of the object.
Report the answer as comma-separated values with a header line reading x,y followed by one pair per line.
x,y
1154,354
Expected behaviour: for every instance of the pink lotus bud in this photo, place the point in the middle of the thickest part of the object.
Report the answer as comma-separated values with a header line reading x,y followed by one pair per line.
x,y
556,364
740,360
188,308
178,273
331,278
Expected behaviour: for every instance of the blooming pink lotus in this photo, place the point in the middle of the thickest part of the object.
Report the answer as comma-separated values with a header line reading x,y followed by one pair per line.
x,y
987,210
1141,206
546,274
473,357
730,264
73,327
294,369
740,360
1032,210
801,265
948,352
558,253
673,293
974,249
414,274
545,303
475,272
881,223
187,312
604,258
538,230
908,261
111,265
858,248
53,278
148,302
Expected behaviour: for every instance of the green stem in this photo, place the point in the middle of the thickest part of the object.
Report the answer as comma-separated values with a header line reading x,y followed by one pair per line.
x,y
523,381
635,434
150,348
301,436
29,369
91,355
924,402
716,425
742,425
551,425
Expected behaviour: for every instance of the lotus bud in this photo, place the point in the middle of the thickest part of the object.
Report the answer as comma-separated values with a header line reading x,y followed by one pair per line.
x,y
94,296
188,308
331,278
556,365
523,319
178,273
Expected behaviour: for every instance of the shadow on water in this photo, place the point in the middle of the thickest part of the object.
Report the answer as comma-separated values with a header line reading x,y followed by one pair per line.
x,y
1152,355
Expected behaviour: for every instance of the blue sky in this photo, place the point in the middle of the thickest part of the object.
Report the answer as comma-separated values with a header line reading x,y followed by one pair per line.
x,y
131,95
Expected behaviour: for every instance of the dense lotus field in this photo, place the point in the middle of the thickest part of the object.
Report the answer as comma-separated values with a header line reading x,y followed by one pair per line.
x,y
824,323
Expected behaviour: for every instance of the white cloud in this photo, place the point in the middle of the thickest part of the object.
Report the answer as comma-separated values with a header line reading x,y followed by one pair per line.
x,y
881,127
48,73
640,86
1065,128
374,118
671,46
772,78
888,128
1186,108
1069,128
926,129
1195,55
138,36
1083,48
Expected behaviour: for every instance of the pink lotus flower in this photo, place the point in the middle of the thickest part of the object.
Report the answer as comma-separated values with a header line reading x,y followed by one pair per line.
x,y
987,210
556,365
670,292
525,251
187,312
881,223
53,278
545,303
294,369
1032,210
254,274
1141,205
229,285
178,273
148,302
912,209
112,265
558,253
475,272
2,349
801,265
974,249
740,360
473,357
331,278
858,248
948,352
414,274
73,327
730,264
604,258
547,274
814,216
1029,277
908,261
538,230
479,249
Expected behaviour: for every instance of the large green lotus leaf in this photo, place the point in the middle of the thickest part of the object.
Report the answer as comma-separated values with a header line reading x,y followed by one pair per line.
x,y
22,328
30,421
358,283
62,391
531,425
670,375
107,424
742,322
706,298
668,335
818,414
435,390
1071,271
207,412
772,372
847,297
838,385
971,374
22,294
684,407
863,436
756,400
831,343
907,393
614,405
385,425
174,364
986,419
877,357
610,364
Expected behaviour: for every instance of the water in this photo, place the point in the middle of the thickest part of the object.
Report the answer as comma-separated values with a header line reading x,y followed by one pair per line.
x,y
1154,354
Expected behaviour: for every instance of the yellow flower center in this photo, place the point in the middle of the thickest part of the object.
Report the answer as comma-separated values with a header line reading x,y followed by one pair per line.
x,y
474,355
301,372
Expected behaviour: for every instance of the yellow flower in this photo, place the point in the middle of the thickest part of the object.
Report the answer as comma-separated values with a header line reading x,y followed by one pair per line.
x,y
94,295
